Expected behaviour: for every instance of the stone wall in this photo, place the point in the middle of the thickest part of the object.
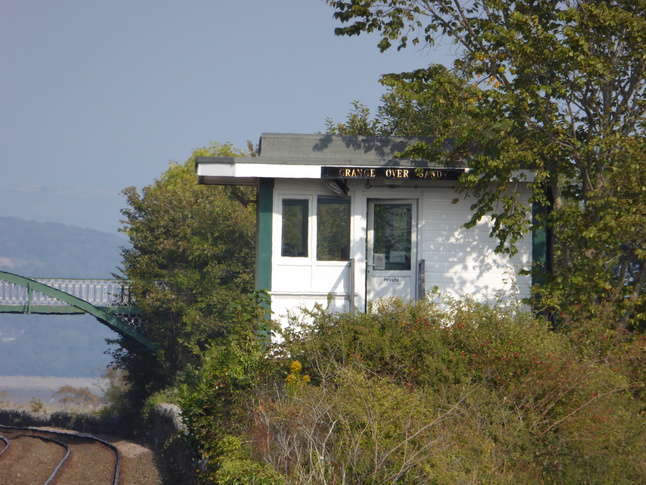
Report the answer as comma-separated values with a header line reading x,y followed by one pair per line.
x,y
84,423
168,436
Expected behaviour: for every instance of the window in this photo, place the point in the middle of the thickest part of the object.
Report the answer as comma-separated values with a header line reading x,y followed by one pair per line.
x,y
294,239
332,229
332,218
393,235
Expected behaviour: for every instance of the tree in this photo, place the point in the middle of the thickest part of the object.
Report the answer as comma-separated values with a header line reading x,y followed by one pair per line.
x,y
553,88
81,397
430,102
191,255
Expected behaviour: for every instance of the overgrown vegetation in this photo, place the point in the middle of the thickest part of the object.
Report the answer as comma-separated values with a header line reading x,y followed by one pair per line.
x,y
439,391
191,254
430,392
77,398
555,89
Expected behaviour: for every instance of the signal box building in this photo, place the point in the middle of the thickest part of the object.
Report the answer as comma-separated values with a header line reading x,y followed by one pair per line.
x,y
342,221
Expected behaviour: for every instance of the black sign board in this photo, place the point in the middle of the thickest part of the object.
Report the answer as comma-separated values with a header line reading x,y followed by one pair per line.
x,y
398,173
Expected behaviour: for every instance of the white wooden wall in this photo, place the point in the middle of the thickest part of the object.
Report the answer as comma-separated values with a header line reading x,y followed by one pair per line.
x,y
304,282
458,260
463,261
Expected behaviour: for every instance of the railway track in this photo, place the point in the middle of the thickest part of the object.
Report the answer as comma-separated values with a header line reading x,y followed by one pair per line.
x,y
30,456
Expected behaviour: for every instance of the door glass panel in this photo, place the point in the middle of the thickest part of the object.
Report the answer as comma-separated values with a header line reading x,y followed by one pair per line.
x,y
294,235
392,236
332,229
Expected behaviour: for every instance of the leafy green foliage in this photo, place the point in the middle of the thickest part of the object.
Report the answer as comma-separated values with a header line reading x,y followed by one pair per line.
x,y
36,406
235,466
116,386
191,255
430,102
554,88
440,391
214,395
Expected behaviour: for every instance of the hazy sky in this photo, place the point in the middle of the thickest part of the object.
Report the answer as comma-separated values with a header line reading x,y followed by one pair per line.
x,y
97,95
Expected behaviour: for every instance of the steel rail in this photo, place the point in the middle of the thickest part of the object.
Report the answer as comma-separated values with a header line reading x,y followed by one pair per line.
x,y
68,454
6,444
110,446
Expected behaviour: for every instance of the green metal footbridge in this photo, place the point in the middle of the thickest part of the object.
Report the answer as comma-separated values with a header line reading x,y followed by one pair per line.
x,y
109,301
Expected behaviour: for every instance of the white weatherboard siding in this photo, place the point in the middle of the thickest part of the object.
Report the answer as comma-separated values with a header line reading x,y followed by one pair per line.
x,y
463,261
401,212
458,260
298,282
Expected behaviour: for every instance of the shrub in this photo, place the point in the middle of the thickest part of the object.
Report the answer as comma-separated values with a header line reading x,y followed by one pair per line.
x,y
448,391
213,397
77,397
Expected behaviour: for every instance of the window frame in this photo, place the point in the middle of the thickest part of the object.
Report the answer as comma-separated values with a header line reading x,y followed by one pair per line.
x,y
312,226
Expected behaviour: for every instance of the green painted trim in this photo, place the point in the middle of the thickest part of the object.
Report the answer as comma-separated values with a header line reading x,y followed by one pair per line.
x,y
100,314
117,310
63,310
265,214
41,309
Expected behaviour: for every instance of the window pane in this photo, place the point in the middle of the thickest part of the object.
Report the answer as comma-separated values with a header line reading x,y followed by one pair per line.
x,y
392,234
333,229
294,237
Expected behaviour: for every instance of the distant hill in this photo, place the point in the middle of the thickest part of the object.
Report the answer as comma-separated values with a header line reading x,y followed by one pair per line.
x,y
48,249
43,345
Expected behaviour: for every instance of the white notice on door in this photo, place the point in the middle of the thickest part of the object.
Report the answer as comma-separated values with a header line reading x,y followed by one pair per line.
x,y
379,261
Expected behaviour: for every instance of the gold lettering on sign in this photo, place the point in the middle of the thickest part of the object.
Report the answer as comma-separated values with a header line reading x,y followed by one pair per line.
x,y
389,173
399,173
348,173
428,174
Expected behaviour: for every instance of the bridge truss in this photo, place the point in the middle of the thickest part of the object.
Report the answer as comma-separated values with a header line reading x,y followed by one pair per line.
x,y
109,301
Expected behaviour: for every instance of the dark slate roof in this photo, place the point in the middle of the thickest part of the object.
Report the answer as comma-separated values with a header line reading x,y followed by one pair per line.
x,y
333,150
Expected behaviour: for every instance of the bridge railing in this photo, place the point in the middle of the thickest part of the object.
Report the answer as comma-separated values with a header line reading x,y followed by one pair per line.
x,y
98,292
